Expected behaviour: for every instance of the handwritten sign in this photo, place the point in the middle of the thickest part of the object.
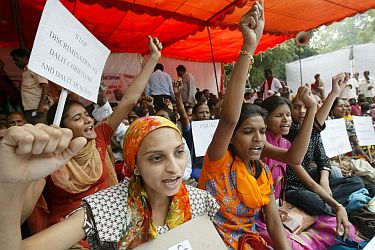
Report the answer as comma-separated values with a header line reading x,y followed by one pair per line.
x,y
185,245
203,131
66,53
335,138
364,130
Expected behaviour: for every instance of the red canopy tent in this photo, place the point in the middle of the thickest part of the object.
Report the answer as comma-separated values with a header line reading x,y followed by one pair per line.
x,y
182,25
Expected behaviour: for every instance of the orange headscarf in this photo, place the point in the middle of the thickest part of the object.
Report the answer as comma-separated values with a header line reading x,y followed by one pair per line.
x,y
139,227
135,134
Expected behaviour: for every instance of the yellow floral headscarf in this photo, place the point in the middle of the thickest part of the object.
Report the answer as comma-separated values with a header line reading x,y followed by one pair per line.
x,y
139,227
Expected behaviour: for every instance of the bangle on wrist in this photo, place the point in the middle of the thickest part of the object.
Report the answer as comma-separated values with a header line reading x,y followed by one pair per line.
x,y
246,53
338,206
326,169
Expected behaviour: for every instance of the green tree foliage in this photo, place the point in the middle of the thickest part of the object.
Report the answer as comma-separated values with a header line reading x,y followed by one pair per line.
x,y
274,59
353,30
350,31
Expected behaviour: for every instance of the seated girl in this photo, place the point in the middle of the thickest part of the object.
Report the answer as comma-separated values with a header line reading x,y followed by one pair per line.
x,y
232,171
314,199
338,110
153,201
339,188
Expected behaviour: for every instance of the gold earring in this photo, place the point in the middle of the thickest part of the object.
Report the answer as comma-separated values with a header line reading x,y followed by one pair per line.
x,y
136,171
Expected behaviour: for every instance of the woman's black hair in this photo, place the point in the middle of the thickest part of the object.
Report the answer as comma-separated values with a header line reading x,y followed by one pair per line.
x,y
212,102
171,115
335,103
137,110
52,111
247,94
258,101
365,107
199,97
249,110
273,102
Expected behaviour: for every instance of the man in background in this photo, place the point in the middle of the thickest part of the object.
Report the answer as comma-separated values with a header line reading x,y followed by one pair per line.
x,y
351,88
367,85
318,87
34,89
159,86
188,86
271,85
9,94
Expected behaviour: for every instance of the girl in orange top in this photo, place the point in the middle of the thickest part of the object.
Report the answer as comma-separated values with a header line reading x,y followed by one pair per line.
x,y
236,177
242,184
232,171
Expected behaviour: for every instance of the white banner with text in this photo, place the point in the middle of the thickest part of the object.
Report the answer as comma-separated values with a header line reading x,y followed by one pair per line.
x,y
203,131
66,53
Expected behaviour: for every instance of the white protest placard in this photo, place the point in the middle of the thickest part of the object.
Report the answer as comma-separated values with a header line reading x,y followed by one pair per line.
x,y
364,130
370,245
197,233
66,53
203,131
335,138
185,245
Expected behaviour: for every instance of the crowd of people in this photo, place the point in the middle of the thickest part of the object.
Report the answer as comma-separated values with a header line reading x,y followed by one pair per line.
x,y
115,175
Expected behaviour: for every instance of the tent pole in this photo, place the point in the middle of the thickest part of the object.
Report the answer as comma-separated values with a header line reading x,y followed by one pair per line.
x,y
16,17
351,60
300,69
213,59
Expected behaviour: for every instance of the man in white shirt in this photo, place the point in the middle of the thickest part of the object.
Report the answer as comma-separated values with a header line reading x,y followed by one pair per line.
x,y
188,86
271,85
367,85
34,89
351,88
159,86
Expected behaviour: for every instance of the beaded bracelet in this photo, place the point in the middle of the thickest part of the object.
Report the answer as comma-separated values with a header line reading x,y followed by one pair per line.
x,y
246,53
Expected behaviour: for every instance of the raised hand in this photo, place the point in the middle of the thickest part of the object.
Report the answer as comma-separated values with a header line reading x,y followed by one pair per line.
x,y
252,25
155,47
168,103
321,86
148,100
305,95
339,82
30,152
177,86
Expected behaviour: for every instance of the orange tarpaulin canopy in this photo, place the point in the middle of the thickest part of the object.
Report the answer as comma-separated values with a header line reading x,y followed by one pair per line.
x,y
182,25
